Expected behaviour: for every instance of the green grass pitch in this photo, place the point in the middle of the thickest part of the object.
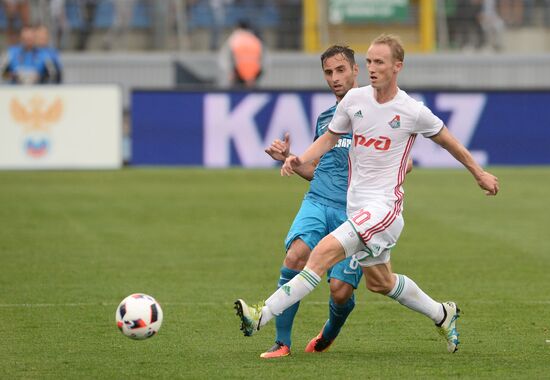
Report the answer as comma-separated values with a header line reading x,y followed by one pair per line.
x,y
73,244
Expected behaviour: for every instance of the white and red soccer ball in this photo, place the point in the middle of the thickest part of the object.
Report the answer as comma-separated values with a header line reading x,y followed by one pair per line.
x,y
139,316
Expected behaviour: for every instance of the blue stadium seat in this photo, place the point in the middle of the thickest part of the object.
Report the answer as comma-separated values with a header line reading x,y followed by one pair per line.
x,y
260,15
4,20
200,14
105,14
142,16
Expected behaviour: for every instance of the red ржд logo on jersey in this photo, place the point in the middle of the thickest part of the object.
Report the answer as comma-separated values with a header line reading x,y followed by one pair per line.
x,y
380,143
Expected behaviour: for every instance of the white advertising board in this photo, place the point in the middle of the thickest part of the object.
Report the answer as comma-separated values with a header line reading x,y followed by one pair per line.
x,y
60,127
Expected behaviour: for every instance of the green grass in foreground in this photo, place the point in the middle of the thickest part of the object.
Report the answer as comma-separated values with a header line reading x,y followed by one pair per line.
x,y
73,244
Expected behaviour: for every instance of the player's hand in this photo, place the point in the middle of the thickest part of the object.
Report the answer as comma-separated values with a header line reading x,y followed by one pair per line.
x,y
291,163
279,150
489,183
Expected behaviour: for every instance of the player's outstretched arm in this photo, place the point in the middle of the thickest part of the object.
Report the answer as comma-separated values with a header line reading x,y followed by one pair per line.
x,y
485,180
322,145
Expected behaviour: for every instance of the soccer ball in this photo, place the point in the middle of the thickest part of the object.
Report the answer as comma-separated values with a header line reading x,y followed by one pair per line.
x,y
139,316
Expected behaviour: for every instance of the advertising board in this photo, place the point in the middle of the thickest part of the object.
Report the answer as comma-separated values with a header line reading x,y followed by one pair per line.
x,y
60,127
222,129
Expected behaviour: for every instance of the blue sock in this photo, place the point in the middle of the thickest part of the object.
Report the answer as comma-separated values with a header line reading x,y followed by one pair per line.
x,y
337,317
283,322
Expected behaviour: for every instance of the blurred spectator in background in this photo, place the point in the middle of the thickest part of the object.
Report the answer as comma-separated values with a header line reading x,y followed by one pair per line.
x,y
530,8
290,13
492,24
218,13
453,22
88,10
511,11
42,41
25,63
17,16
117,35
464,21
241,57
546,6
59,23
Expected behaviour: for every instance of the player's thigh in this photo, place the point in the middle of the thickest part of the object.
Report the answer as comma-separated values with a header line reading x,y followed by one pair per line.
x,y
378,227
309,225
347,271
328,252
335,217
348,239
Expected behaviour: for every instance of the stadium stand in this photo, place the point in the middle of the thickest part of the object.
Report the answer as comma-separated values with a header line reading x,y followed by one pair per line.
x,y
193,25
186,58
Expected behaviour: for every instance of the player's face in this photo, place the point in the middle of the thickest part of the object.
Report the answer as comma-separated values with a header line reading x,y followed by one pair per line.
x,y
381,66
340,74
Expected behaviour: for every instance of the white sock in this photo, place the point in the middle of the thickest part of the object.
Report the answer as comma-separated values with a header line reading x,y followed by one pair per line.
x,y
290,293
407,293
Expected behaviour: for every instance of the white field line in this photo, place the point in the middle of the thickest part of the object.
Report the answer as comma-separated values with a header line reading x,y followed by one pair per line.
x,y
92,304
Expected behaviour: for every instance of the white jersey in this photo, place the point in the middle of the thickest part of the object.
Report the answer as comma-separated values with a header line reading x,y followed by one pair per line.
x,y
383,136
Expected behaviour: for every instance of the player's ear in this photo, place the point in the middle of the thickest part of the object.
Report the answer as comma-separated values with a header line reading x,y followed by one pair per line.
x,y
397,66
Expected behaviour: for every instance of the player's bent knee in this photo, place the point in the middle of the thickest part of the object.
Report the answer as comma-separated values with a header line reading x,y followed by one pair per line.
x,y
297,255
340,291
294,262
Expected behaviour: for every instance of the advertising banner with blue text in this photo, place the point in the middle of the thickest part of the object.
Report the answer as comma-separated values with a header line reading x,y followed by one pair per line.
x,y
222,129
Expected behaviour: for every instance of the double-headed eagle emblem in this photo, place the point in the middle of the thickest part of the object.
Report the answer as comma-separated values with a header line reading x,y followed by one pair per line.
x,y
38,116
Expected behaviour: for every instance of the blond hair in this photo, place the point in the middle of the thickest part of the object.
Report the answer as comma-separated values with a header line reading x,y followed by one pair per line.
x,y
394,43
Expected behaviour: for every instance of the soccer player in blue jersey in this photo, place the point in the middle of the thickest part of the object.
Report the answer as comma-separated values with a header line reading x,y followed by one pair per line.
x,y
322,210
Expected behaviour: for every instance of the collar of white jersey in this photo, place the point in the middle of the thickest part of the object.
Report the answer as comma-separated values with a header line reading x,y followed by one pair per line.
x,y
398,98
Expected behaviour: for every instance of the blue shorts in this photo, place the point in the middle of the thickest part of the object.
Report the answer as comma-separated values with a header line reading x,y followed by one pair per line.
x,y
312,223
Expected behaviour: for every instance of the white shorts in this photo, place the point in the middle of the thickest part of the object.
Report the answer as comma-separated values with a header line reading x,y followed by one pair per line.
x,y
370,233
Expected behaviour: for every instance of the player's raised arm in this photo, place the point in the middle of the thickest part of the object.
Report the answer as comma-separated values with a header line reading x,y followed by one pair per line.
x,y
485,180
322,145
280,150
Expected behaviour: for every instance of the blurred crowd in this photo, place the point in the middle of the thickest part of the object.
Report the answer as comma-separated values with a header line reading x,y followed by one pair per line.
x,y
183,24
477,24
74,23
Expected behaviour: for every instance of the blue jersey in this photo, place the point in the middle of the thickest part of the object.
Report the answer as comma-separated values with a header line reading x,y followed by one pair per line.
x,y
53,55
28,66
330,181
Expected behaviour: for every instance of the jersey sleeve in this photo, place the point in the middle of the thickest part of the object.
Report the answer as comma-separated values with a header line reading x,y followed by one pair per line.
x,y
428,124
341,123
8,61
316,134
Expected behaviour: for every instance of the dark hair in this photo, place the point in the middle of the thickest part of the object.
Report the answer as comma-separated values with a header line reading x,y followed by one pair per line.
x,y
346,51
243,24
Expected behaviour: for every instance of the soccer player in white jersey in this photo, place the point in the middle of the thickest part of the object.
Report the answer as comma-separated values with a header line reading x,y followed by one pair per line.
x,y
323,209
384,121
